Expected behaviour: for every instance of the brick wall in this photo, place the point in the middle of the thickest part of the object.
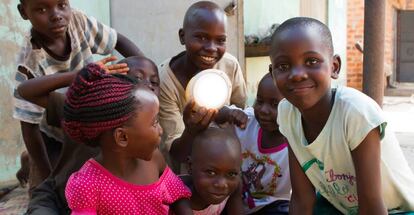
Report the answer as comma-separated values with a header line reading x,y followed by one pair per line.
x,y
355,30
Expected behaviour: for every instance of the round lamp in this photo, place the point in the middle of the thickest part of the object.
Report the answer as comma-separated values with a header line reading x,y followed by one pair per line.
x,y
210,88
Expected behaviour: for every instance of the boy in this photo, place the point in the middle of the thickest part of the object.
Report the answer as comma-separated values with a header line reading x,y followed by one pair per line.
x,y
49,197
204,37
61,40
214,169
338,146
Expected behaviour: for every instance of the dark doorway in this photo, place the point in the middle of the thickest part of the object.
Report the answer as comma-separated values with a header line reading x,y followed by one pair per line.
x,y
405,43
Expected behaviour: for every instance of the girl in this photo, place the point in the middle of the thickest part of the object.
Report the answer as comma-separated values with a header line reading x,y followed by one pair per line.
x,y
129,176
265,168
338,142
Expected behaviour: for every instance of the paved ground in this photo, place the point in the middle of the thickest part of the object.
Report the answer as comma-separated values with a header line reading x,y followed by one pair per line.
x,y
400,114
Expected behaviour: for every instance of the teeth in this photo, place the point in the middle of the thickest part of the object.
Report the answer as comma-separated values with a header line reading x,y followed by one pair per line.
x,y
210,59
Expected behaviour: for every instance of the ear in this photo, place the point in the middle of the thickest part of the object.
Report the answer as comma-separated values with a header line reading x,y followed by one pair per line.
x,y
270,70
121,137
336,66
181,36
22,12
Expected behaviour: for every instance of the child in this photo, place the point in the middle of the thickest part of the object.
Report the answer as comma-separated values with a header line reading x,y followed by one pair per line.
x,y
144,71
265,168
129,176
204,36
214,169
338,144
61,39
49,198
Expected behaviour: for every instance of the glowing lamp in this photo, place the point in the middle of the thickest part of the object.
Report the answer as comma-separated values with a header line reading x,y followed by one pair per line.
x,y
210,88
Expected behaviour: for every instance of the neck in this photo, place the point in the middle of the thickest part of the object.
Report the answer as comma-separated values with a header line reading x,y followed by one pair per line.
x,y
117,163
184,69
272,139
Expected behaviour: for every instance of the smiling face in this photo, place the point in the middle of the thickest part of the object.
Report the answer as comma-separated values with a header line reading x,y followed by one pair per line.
x,y
265,106
204,37
49,18
215,167
303,65
143,130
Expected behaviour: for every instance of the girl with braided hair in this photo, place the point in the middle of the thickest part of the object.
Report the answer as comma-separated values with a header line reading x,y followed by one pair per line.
x,y
118,115
129,176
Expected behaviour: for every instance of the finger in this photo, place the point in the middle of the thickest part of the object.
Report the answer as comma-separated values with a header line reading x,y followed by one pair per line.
x,y
108,59
207,118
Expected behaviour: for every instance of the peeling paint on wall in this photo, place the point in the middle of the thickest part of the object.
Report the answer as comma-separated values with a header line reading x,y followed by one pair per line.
x,y
12,29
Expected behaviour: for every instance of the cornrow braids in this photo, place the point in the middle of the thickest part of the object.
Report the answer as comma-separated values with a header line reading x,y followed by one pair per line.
x,y
97,102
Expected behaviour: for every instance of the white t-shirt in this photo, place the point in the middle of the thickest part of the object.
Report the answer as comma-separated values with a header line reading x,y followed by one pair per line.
x,y
328,163
265,172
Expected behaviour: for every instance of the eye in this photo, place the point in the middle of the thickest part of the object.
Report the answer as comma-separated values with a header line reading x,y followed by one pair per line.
x,y
201,38
63,5
41,10
221,41
233,174
156,122
210,172
312,62
283,67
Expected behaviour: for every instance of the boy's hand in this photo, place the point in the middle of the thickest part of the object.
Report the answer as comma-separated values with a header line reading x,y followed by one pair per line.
x,y
233,116
121,68
197,120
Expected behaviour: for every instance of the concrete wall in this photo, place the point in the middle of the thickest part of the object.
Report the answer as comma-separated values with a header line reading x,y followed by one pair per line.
x,y
12,29
154,25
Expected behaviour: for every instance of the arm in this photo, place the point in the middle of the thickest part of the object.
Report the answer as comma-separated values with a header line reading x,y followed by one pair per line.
x,y
234,205
239,91
182,206
303,193
195,121
37,90
36,148
126,47
367,161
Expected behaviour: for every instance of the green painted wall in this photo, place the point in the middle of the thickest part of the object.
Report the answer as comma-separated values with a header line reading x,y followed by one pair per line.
x,y
12,29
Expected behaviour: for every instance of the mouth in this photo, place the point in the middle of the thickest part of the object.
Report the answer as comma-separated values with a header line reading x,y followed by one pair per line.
x,y
218,195
301,89
58,29
208,59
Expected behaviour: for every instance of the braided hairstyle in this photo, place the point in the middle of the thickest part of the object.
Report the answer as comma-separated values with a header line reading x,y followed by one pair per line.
x,y
97,102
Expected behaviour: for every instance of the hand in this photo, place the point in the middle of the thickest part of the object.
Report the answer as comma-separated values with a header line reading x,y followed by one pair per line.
x,y
196,120
121,68
233,116
237,117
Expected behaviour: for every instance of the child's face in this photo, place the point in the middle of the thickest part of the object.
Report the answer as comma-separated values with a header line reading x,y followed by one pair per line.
x,y
147,74
144,131
205,39
302,67
265,106
50,18
215,174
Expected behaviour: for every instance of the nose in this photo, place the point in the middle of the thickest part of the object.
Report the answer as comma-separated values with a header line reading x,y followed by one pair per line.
x,y
210,46
264,109
220,183
56,16
298,74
